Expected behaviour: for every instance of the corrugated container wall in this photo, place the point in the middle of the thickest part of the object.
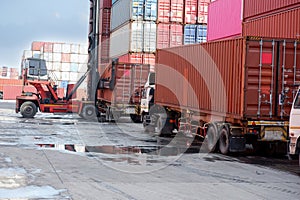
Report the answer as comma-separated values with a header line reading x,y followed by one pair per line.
x,y
104,21
163,35
190,11
224,19
281,25
124,11
141,58
256,8
203,11
176,35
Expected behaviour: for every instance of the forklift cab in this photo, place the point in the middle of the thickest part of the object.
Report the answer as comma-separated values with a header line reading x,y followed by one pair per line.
x,y
35,69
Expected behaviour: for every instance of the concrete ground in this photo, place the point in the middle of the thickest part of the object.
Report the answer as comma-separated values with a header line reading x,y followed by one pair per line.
x,y
65,157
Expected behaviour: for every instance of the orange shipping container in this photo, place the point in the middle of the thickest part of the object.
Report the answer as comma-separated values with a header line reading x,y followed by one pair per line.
x,y
281,25
242,78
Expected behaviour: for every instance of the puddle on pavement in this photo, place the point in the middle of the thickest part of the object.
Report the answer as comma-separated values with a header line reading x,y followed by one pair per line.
x,y
46,122
120,150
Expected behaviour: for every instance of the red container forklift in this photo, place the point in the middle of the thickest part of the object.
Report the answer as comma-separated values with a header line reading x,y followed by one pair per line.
x,y
46,99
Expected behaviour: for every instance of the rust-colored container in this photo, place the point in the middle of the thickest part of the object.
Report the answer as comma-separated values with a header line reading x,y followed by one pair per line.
x,y
9,82
36,46
257,8
10,92
66,57
120,81
104,21
243,78
281,25
142,58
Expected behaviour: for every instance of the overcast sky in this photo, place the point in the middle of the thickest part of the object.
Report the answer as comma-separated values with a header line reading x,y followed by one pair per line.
x,y
25,21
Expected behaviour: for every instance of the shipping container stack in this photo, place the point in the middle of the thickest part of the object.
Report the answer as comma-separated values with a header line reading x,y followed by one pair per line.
x,y
139,27
66,63
9,73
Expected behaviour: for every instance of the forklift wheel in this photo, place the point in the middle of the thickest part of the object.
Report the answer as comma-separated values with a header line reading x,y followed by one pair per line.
x,y
28,109
89,112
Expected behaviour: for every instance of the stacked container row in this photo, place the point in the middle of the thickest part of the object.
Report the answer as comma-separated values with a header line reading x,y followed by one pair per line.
x,y
142,26
9,73
66,63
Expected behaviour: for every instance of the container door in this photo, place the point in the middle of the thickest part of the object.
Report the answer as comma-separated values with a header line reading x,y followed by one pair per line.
x,y
272,70
260,78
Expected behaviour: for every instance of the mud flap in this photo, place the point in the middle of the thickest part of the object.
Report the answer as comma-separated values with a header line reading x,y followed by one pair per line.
x,y
237,144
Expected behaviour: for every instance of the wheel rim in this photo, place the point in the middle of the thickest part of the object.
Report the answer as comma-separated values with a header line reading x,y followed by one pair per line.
x,y
28,110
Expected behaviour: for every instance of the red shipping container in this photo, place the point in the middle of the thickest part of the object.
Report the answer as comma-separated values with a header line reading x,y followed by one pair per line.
x,y
10,92
9,82
66,57
36,46
176,11
163,10
163,36
224,19
105,4
104,21
104,49
282,25
176,35
202,11
190,11
256,8
142,58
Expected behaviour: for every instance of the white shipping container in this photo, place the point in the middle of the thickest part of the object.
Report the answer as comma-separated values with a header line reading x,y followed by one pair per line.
x,y
65,76
149,37
49,65
65,67
126,10
73,76
56,57
74,58
128,38
82,68
83,49
56,75
74,67
75,48
83,58
57,66
36,54
27,54
66,48
57,47
47,56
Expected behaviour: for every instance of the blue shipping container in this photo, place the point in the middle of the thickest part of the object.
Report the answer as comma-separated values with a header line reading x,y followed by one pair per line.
x,y
189,34
201,33
150,10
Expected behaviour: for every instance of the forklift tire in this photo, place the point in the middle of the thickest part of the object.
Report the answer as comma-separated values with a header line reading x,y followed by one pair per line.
x,y
28,109
89,113
211,138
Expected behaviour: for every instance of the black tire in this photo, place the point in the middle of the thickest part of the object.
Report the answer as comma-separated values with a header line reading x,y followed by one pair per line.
x,y
89,113
28,109
224,141
136,118
211,138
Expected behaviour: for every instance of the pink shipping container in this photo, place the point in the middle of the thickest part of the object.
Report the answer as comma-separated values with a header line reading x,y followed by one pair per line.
x,y
104,49
224,19
163,36
203,11
176,35
47,47
66,57
36,46
280,25
163,10
257,8
10,92
104,21
176,11
142,58
190,11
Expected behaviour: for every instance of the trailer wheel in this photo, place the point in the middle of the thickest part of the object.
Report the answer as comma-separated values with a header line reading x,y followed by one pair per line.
x,y
136,118
28,109
224,141
211,138
89,112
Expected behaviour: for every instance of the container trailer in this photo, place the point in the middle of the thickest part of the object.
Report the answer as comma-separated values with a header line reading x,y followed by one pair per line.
x,y
233,93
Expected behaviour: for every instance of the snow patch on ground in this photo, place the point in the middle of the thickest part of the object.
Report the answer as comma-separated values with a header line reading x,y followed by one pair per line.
x,y
30,192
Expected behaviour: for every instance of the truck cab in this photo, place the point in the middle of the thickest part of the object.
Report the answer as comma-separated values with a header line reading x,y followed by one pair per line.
x,y
294,133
